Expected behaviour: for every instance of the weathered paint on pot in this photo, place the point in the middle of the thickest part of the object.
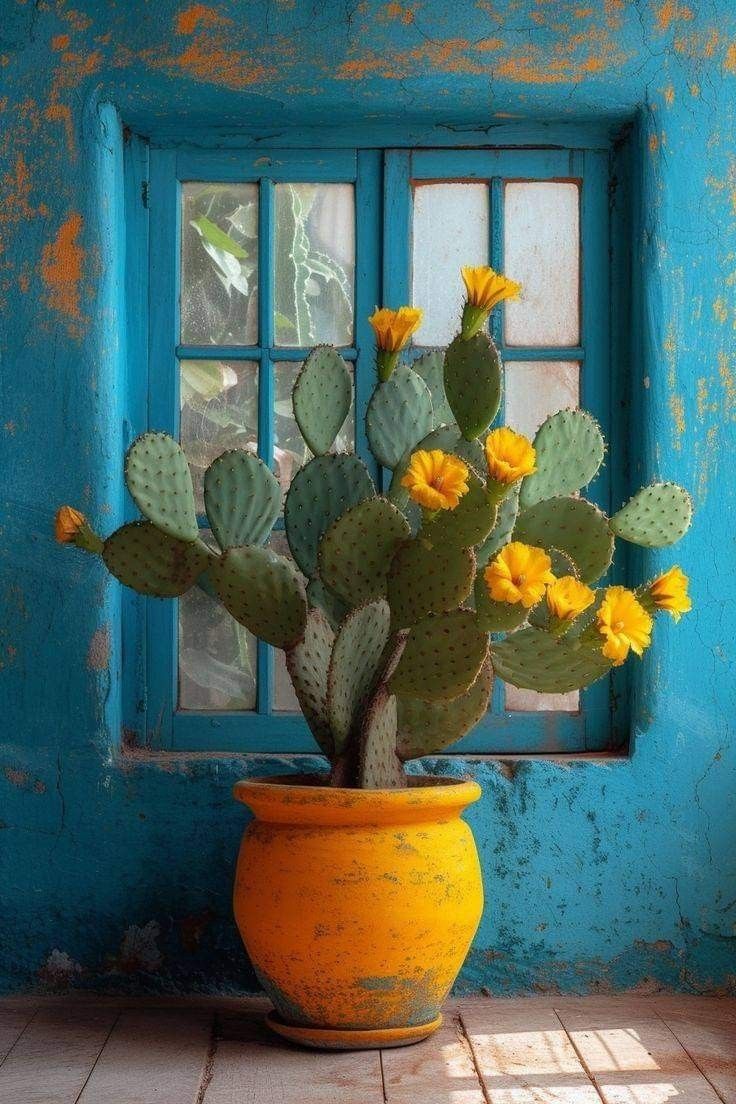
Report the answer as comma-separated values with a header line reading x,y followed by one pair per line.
x,y
357,907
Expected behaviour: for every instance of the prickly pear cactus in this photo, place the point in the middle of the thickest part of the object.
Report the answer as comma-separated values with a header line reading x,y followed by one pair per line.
x,y
396,611
242,498
158,478
473,383
322,396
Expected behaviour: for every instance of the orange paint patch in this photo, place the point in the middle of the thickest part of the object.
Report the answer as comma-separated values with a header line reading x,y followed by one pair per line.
x,y
61,268
209,61
669,13
198,15
653,143
729,61
398,13
669,95
720,310
60,42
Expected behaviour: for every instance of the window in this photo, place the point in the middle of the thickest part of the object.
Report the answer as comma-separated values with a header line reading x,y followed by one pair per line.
x,y
257,256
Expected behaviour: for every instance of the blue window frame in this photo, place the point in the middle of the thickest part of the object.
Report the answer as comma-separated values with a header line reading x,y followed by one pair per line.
x,y
384,182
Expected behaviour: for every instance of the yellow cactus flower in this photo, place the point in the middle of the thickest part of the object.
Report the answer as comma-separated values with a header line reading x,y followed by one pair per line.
x,y
624,624
509,455
67,524
669,592
393,328
435,479
567,597
519,573
485,289
72,527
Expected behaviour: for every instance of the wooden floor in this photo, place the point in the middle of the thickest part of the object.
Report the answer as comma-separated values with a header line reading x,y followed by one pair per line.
x,y
619,1050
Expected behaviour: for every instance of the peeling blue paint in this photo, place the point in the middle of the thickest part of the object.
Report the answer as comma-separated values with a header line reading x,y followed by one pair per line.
x,y
599,875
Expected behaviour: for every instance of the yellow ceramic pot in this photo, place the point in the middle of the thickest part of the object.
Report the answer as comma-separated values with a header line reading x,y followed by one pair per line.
x,y
357,907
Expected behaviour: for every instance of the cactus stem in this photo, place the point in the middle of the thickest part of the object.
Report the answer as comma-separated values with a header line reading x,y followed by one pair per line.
x,y
497,492
87,539
386,361
473,321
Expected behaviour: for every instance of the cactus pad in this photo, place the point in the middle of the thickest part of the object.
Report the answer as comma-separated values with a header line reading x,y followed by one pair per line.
x,y
473,383
242,498
425,579
262,591
501,532
534,660
355,666
355,552
321,597
158,478
569,448
378,765
398,415
469,523
152,562
426,728
431,367
442,657
493,616
319,493
322,395
308,663
575,527
655,517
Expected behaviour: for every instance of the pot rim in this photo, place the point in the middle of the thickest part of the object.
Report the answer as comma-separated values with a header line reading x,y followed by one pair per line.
x,y
303,799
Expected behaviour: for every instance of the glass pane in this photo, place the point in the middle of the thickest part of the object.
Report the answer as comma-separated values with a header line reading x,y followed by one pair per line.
x,y
535,389
451,229
542,251
284,698
217,656
290,451
219,264
219,411
315,264
529,701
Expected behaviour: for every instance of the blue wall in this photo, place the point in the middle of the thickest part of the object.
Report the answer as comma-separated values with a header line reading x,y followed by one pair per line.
x,y
115,866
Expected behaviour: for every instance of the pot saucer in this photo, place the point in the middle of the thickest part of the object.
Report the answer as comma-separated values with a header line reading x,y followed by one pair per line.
x,y
331,1038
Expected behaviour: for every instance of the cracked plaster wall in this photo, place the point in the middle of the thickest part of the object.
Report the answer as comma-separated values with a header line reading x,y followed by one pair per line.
x,y
115,870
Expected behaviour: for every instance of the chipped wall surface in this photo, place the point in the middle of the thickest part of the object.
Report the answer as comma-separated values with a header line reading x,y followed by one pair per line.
x,y
116,869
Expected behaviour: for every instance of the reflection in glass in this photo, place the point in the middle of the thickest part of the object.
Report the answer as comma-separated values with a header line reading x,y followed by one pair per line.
x,y
450,229
219,264
219,411
315,264
290,449
536,389
542,252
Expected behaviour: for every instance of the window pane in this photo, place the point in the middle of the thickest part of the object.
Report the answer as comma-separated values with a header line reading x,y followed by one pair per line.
x,y
217,656
451,229
290,451
542,251
219,264
219,411
529,701
315,264
536,389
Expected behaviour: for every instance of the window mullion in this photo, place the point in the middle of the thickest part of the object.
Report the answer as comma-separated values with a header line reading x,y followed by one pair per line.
x,y
266,409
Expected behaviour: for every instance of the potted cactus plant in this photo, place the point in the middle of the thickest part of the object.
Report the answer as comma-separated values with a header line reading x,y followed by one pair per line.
x,y
358,891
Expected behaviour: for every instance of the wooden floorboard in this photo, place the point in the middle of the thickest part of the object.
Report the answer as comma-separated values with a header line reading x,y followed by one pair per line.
x,y
524,1055
548,1050
153,1056
438,1071
252,1067
54,1056
634,1058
